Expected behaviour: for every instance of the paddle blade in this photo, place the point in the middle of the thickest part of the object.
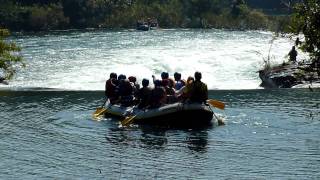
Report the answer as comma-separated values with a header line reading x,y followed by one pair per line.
x,y
220,120
128,120
216,103
100,111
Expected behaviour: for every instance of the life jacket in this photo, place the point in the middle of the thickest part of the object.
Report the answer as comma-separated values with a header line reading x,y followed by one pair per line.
x,y
144,96
170,91
135,89
158,97
110,88
126,93
179,85
198,92
125,88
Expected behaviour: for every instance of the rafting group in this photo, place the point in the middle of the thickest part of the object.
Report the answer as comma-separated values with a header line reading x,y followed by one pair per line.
x,y
127,92
170,102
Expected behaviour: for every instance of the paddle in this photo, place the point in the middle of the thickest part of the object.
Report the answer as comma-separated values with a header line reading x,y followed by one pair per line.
x,y
216,103
220,121
128,120
99,111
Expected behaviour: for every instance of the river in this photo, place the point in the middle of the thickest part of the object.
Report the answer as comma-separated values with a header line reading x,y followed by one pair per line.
x,y
82,60
47,132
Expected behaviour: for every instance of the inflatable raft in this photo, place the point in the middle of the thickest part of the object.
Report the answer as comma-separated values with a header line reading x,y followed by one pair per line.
x,y
172,115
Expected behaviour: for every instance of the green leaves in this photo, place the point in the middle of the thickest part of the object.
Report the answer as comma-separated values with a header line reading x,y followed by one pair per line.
x,y
306,20
9,58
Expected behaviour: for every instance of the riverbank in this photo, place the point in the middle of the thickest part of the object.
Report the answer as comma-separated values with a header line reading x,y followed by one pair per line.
x,y
61,15
291,75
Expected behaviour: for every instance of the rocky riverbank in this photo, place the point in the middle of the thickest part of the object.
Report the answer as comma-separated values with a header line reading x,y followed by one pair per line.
x,y
290,75
3,81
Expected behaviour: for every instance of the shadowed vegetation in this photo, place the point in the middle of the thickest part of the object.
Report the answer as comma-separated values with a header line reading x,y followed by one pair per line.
x,y
9,60
35,15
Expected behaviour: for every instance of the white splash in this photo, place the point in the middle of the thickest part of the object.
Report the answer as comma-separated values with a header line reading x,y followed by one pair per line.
x,y
83,60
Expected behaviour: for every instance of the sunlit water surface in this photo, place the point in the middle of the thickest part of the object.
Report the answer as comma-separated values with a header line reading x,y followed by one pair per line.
x,y
268,135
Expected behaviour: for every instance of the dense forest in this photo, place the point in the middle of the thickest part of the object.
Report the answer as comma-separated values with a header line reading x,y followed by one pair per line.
x,y
35,15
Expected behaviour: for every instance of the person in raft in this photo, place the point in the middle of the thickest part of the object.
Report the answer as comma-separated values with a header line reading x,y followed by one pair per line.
x,y
134,84
164,75
183,94
125,92
198,92
111,88
144,94
158,95
179,83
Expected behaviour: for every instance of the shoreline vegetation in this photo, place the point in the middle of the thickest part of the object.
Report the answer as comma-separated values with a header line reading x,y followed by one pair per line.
x,y
305,20
44,15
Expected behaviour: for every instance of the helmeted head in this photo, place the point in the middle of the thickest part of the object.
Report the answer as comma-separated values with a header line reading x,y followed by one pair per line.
x,y
132,79
122,77
177,76
164,75
145,82
157,83
113,75
293,47
197,76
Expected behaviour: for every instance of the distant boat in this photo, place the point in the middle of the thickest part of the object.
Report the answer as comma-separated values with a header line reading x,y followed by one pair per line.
x,y
147,25
143,27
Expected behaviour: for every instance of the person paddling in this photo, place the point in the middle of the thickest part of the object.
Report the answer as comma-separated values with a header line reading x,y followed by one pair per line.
x,y
199,90
135,85
158,95
183,94
125,92
144,94
111,88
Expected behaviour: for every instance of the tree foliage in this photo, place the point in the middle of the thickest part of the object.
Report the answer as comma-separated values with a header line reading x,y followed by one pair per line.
x,y
9,60
35,15
306,20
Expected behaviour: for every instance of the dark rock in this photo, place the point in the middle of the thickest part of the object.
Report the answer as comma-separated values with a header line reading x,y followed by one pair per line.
x,y
288,75
3,81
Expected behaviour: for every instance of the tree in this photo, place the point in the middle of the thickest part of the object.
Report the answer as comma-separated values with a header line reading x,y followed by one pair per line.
x,y
239,7
9,60
306,20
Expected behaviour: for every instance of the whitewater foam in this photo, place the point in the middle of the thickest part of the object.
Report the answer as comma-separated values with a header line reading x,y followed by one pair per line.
x,y
83,60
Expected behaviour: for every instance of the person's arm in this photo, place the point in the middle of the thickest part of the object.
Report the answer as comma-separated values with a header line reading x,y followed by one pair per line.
x,y
105,89
153,79
206,92
180,91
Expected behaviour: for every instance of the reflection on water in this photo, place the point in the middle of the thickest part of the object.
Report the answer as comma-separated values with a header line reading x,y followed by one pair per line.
x,y
157,138
197,140
153,138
